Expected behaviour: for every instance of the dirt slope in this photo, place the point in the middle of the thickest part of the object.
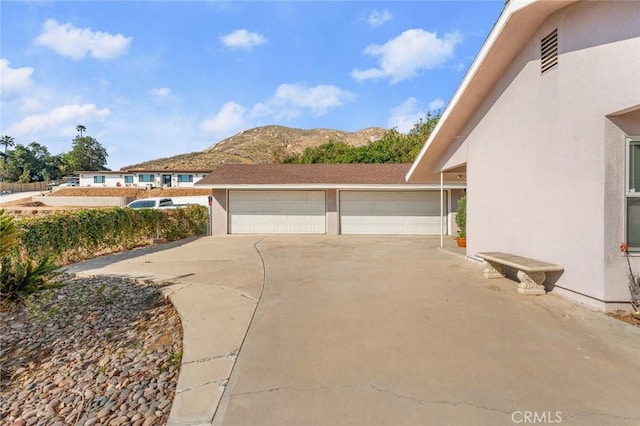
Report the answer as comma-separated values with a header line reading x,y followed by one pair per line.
x,y
129,192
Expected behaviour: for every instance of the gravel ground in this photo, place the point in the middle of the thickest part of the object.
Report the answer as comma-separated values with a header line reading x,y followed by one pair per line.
x,y
97,351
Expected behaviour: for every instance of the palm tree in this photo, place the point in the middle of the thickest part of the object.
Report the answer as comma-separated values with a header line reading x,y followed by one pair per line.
x,y
80,128
7,141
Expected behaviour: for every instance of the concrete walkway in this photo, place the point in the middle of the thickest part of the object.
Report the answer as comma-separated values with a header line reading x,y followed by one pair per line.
x,y
379,331
214,285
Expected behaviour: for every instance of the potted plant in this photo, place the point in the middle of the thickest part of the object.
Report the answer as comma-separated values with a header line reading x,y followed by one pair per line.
x,y
461,221
634,283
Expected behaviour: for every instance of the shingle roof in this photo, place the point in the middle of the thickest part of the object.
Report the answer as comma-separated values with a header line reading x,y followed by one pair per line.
x,y
291,174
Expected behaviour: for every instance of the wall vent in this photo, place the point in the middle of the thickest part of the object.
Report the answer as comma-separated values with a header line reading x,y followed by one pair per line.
x,y
549,52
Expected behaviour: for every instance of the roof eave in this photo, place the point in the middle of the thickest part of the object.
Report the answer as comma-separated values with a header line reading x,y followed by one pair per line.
x,y
302,186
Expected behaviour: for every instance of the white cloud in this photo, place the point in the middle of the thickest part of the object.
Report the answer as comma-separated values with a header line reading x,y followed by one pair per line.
x,y
288,101
379,17
243,40
291,100
436,104
402,57
13,80
63,119
76,43
161,92
227,121
404,116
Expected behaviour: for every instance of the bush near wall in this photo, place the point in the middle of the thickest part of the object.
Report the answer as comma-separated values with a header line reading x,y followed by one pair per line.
x,y
79,235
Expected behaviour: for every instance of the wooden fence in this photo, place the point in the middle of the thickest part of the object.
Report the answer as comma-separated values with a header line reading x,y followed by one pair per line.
x,y
23,187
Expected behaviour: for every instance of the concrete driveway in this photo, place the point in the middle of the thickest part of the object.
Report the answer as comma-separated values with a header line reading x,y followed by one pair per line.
x,y
380,331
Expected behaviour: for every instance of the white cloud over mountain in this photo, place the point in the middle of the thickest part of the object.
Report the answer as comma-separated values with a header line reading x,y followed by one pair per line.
x,y
293,99
404,116
405,56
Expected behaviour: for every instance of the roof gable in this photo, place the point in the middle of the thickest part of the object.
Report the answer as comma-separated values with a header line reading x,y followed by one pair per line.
x,y
516,25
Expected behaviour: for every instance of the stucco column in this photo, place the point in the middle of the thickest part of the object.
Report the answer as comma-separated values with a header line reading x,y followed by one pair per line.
x,y
333,225
219,217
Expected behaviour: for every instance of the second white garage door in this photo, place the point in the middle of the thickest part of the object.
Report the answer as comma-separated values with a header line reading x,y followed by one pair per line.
x,y
277,212
390,212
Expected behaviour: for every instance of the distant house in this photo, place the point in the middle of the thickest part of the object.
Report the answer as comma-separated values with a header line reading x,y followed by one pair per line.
x,y
328,199
546,127
145,178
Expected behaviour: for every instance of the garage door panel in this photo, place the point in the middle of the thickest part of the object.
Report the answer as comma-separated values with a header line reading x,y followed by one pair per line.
x,y
277,212
379,212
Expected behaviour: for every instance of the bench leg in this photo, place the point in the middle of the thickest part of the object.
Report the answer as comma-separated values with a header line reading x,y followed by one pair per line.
x,y
531,283
493,270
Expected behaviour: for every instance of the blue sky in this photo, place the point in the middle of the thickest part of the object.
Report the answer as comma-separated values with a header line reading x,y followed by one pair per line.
x,y
151,79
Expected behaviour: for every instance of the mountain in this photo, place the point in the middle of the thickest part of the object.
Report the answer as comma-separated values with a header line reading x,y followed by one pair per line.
x,y
266,144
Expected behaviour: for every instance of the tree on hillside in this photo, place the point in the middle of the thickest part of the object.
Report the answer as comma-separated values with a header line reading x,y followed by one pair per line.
x,y
393,147
86,154
30,163
330,152
80,128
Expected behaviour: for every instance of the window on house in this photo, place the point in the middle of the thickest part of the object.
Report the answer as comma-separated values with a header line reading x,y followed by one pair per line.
x,y
549,52
98,179
128,179
185,178
633,194
145,178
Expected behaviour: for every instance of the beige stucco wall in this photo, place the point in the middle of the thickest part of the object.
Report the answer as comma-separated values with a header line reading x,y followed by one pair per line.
x,y
83,201
219,218
542,159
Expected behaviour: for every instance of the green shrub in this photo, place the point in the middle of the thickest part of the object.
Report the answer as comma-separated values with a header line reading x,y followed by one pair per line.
x,y
32,250
461,217
9,234
20,275
73,236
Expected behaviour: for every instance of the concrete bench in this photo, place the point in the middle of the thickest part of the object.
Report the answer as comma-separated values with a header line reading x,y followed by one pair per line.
x,y
531,272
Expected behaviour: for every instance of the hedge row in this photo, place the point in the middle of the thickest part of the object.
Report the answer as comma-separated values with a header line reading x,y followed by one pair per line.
x,y
74,236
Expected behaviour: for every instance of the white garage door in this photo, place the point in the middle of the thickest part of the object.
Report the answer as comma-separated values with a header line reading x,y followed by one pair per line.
x,y
277,212
380,212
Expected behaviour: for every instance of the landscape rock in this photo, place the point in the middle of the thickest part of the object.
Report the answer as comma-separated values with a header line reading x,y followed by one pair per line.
x,y
95,351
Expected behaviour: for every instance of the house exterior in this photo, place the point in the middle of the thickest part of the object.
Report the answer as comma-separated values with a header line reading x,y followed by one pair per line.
x,y
546,127
146,178
327,199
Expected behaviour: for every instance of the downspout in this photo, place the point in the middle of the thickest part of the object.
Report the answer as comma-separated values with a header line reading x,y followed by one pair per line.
x,y
441,209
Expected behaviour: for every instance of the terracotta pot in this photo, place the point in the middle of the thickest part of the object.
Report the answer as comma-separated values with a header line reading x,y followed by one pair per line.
x,y
462,242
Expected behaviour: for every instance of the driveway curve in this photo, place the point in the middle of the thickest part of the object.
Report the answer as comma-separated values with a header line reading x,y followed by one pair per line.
x,y
215,285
